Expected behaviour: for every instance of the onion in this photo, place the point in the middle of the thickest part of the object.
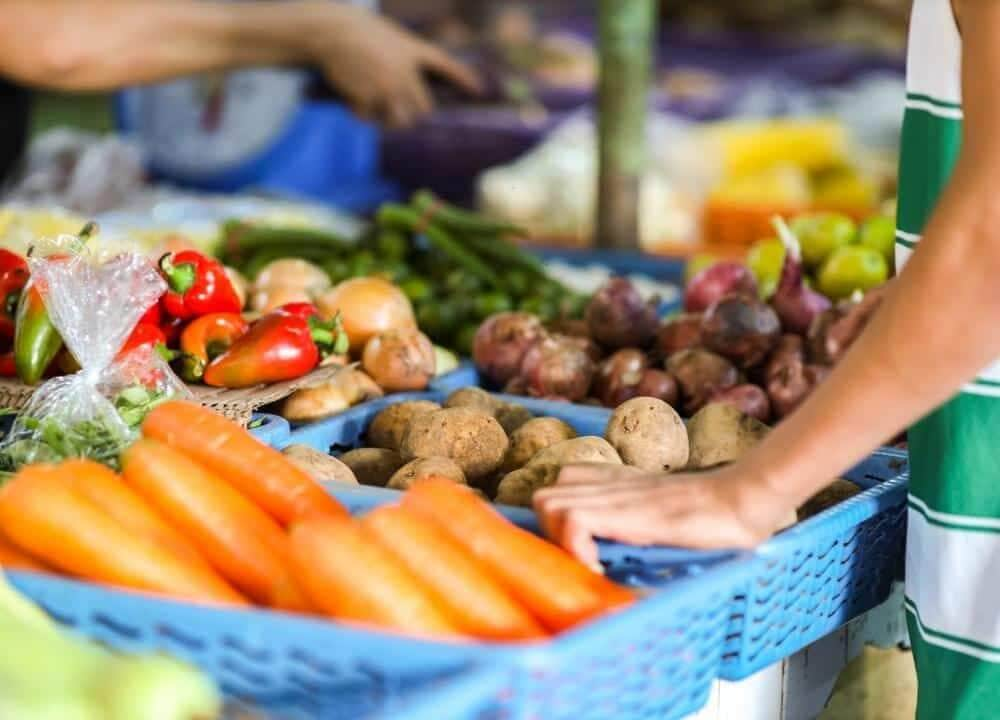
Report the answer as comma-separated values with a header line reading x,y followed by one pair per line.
x,y
836,329
700,374
748,399
658,384
740,328
717,281
617,378
557,368
293,273
618,317
239,283
501,342
679,333
796,304
399,360
264,300
367,306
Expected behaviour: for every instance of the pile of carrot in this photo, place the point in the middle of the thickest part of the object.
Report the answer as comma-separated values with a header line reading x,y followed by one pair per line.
x,y
204,512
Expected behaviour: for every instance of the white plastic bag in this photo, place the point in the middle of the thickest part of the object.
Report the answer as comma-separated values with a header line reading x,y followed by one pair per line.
x,y
95,303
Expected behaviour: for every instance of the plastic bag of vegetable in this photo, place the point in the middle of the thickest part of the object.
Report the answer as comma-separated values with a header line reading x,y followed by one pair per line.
x,y
95,303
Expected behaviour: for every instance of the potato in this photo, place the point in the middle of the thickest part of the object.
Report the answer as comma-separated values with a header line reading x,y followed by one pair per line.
x,y
470,437
719,433
389,427
512,416
587,449
648,434
476,398
422,468
532,437
518,487
833,494
345,389
319,465
372,466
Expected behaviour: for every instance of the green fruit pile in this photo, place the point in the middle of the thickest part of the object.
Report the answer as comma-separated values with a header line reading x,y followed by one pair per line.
x,y
841,257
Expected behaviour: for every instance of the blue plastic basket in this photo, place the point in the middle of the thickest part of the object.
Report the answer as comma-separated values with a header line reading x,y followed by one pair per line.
x,y
271,430
465,375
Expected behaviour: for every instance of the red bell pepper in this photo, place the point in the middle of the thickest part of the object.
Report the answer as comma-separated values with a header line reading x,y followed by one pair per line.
x,y
299,309
12,282
205,339
143,334
153,316
197,285
7,367
280,346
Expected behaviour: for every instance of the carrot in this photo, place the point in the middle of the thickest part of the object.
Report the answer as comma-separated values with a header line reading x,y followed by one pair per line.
x,y
42,514
238,539
261,473
348,575
472,598
106,490
560,591
14,558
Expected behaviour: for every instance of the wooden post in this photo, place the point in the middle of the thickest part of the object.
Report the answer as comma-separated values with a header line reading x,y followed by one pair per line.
x,y
625,45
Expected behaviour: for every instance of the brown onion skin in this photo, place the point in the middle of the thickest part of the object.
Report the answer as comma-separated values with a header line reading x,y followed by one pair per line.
x,y
715,282
618,317
399,360
592,349
742,329
501,342
618,376
659,384
678,333
748,399
700,374
557,368
835,330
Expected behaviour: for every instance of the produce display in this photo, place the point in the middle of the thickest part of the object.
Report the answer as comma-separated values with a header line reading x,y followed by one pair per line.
x,y
503,452
754,335
55,674
236,523
454,269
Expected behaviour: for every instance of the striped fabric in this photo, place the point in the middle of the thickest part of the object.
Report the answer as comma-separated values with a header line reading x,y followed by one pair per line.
x,y
953,544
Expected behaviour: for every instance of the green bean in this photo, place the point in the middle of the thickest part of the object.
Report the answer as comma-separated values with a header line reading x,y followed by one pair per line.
x,y
458,220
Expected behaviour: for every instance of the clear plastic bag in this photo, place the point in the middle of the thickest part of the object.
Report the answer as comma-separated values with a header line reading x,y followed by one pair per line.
x,y
95,303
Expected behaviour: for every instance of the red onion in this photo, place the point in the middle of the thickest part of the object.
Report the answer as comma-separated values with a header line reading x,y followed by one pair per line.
x,y
618,377
557,368
717,281
618,317
748,399
700,374
835,330
658,384
741,328
796,304
501,341
678,333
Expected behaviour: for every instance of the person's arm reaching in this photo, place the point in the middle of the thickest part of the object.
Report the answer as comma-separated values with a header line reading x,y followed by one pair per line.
x,y
938,326
106,44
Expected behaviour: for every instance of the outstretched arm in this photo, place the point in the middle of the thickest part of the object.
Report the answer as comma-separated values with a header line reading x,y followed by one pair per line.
x,y
106,44
937,328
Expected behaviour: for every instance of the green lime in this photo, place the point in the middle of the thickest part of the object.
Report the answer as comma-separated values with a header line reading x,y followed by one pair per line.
x,y
696,264
879,233
852,268
490,303
464,338
391,245
765,259
819,234
417,289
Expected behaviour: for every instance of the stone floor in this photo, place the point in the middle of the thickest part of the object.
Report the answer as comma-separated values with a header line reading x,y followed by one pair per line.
x,y
878,685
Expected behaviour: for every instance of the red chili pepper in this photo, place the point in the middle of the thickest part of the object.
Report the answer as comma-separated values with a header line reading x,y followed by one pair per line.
x,y
11,261
198,285
153,316
279,346
12,282
205,339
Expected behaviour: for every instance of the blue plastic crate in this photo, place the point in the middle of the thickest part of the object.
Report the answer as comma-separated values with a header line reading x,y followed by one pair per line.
x,y
465,375
271,430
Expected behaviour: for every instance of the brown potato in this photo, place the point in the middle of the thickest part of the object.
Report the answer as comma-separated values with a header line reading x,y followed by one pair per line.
x,y
518,487
648,434
475,398
422,468
347,388
511,416
372,466
587,449
389,427
533,437
719,433
319,465
833,494
471,438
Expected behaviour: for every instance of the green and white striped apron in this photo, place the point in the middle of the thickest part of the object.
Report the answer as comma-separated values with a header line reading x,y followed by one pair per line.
x,y
953,544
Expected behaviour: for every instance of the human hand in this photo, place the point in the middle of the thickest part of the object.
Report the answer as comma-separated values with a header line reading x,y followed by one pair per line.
x,y
726,508
379,66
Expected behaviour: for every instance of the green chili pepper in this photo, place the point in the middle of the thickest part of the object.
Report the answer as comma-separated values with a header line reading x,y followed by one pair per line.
x,y
36,340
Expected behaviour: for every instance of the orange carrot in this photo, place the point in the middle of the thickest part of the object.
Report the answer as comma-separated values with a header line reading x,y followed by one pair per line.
x,y
14,558
106,490
560,591
238,539
42,514
261,473
475,601
348,575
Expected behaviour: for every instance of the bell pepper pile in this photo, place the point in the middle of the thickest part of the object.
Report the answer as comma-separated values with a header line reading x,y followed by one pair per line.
x,y
234,522
197,325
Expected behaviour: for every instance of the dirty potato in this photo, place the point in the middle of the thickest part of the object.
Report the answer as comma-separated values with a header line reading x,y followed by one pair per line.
x,y
471,438
389,427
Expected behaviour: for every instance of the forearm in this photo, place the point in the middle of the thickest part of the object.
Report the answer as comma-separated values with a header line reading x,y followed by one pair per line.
x,y
105,44
935,330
